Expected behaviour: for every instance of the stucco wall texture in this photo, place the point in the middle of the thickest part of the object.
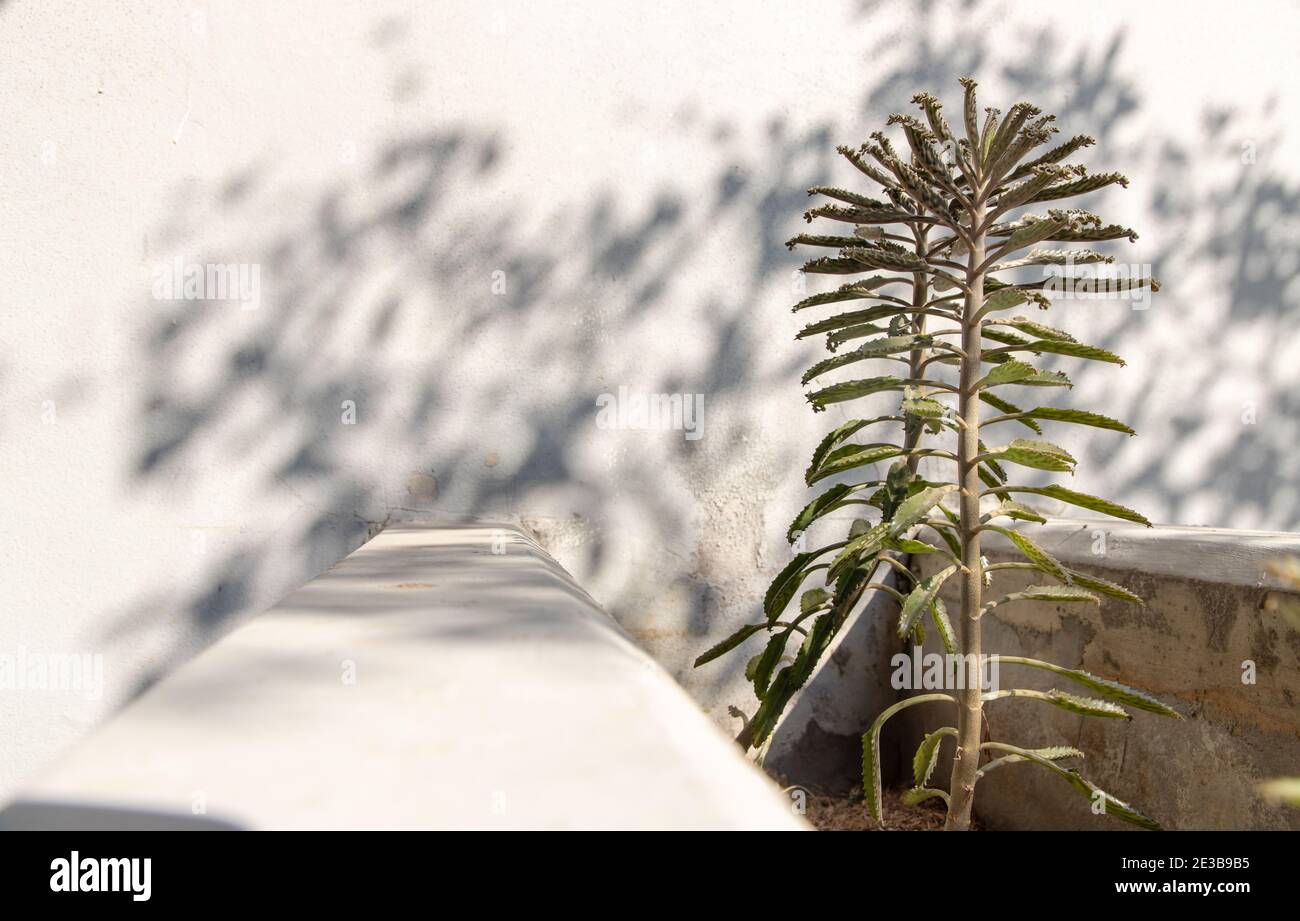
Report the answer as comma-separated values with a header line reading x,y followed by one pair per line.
x,y
460,224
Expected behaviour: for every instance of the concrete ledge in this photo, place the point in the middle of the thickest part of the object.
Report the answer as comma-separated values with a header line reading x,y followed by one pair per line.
x,y
449,677
1200,634
1218,555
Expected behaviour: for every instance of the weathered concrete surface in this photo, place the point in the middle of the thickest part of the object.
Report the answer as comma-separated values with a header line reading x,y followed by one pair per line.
x,y
436,678
1190,645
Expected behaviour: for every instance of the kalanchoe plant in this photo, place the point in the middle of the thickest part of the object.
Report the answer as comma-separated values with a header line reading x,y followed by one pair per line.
x,y
941,253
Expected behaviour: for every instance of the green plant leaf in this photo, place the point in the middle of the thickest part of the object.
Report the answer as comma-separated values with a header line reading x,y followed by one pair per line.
x,y
1040,455
947,636
1079,417
852,390
767,662
924,407
848,334
1103,587
1009,372
1086,706
1111,805
1281,790
1026,325
916,507
813,599
1035,554
823,504
1054,593
858,551
1002,299
871,749
830,441
907,545
1051,753
918,600
851,456
852,291
1010,409
1081,500
728,644
1106,687
927,755
1059,347
785,584
917,795
1009,508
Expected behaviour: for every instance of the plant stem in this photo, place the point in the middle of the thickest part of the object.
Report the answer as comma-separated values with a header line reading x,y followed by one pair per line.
x,y
970,707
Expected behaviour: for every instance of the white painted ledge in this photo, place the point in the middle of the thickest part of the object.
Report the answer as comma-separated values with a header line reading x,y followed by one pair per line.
x,y
1218,555
490,692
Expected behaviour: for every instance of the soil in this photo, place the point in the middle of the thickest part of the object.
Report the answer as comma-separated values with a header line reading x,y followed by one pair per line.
x,y
840,813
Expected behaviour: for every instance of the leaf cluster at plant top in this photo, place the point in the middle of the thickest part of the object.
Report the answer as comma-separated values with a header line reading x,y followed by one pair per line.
x,y
943,249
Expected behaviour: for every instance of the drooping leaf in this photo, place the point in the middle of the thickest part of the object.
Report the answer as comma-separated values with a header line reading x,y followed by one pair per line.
x,y
927,754
871,749
1111,805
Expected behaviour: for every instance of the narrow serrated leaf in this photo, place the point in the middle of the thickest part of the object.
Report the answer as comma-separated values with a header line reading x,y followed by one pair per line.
x,y
1079,417
1082,500
852,390
728,644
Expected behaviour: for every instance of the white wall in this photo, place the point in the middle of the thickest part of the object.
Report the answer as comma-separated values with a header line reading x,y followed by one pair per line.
x,y
633,170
